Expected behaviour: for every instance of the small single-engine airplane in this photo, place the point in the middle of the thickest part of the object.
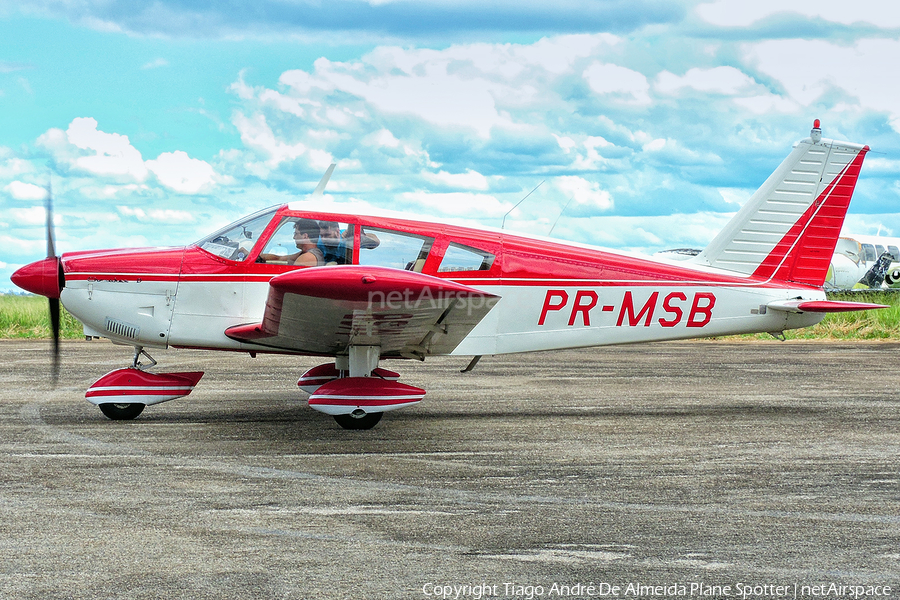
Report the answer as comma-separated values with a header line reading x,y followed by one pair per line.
x,y
361,288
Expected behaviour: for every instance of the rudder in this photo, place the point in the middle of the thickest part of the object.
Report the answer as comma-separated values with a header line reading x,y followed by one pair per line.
x,y
788,229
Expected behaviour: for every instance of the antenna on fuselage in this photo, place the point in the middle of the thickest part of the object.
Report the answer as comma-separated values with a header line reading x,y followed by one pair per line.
x,y
503,222
324,181
561,214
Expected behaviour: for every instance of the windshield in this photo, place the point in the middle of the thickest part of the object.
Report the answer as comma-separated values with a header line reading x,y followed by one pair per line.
x,y
237,240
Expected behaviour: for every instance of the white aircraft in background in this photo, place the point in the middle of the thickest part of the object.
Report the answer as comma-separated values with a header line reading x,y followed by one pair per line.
x,y
864,261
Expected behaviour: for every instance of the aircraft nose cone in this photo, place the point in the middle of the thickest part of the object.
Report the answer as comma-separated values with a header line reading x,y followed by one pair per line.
x,y
41,277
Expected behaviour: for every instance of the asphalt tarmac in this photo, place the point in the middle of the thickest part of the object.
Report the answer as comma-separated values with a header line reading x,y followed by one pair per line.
x,y
702,469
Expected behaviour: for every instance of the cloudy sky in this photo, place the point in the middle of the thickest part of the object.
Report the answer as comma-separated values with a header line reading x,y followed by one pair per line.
x,y
643,124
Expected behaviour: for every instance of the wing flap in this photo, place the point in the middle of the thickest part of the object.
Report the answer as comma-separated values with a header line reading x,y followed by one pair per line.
x,y
325,310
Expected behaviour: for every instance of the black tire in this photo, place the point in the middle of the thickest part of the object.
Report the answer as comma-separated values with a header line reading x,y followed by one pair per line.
x,y
366,421
121,412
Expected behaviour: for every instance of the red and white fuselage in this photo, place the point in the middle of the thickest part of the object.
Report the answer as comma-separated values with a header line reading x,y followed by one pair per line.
x,y
551,295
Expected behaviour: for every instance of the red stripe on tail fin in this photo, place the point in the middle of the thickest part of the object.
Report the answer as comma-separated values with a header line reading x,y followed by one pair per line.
x,y
805,251
789,227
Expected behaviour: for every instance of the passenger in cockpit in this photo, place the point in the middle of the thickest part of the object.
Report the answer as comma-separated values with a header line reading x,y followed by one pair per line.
x,y
333,243
336,244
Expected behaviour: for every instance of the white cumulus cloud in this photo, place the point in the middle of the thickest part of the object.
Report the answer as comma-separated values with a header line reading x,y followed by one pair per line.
x,y
731,13
105,153
585,193
470,180
257,135
608,79
35,215
810,69
719,80
457,203
427,89
84,148
155,64
181,173
156,215
26,191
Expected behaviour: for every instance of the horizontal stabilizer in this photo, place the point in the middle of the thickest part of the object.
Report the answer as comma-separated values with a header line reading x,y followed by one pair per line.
x,y
821,306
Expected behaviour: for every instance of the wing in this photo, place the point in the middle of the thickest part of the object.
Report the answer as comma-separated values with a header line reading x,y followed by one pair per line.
x,y
325,310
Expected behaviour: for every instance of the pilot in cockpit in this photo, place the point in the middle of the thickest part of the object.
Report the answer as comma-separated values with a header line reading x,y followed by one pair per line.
x,y
306,238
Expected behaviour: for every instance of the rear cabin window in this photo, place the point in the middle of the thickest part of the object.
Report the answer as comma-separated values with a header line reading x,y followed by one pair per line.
x,y
464,258
399,250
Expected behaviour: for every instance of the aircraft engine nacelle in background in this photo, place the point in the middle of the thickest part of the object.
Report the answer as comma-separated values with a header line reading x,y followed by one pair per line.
x,y
844,272
893,275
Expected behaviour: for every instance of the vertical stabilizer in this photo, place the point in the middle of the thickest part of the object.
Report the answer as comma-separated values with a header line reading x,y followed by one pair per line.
x,y
788,229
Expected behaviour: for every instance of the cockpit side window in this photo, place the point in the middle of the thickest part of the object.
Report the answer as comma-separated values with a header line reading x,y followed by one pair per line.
x,y
307,242
236,241
400,250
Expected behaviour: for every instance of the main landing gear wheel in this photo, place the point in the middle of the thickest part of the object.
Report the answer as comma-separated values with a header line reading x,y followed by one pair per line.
x,y
358,421
123,412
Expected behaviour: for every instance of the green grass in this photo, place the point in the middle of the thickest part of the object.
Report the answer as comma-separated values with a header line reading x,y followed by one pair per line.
x,y
29,317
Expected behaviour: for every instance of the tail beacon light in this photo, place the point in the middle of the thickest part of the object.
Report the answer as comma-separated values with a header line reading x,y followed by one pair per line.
x,y
816,133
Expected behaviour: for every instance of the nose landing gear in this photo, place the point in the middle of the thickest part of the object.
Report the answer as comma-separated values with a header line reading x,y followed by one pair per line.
x,y
124,393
